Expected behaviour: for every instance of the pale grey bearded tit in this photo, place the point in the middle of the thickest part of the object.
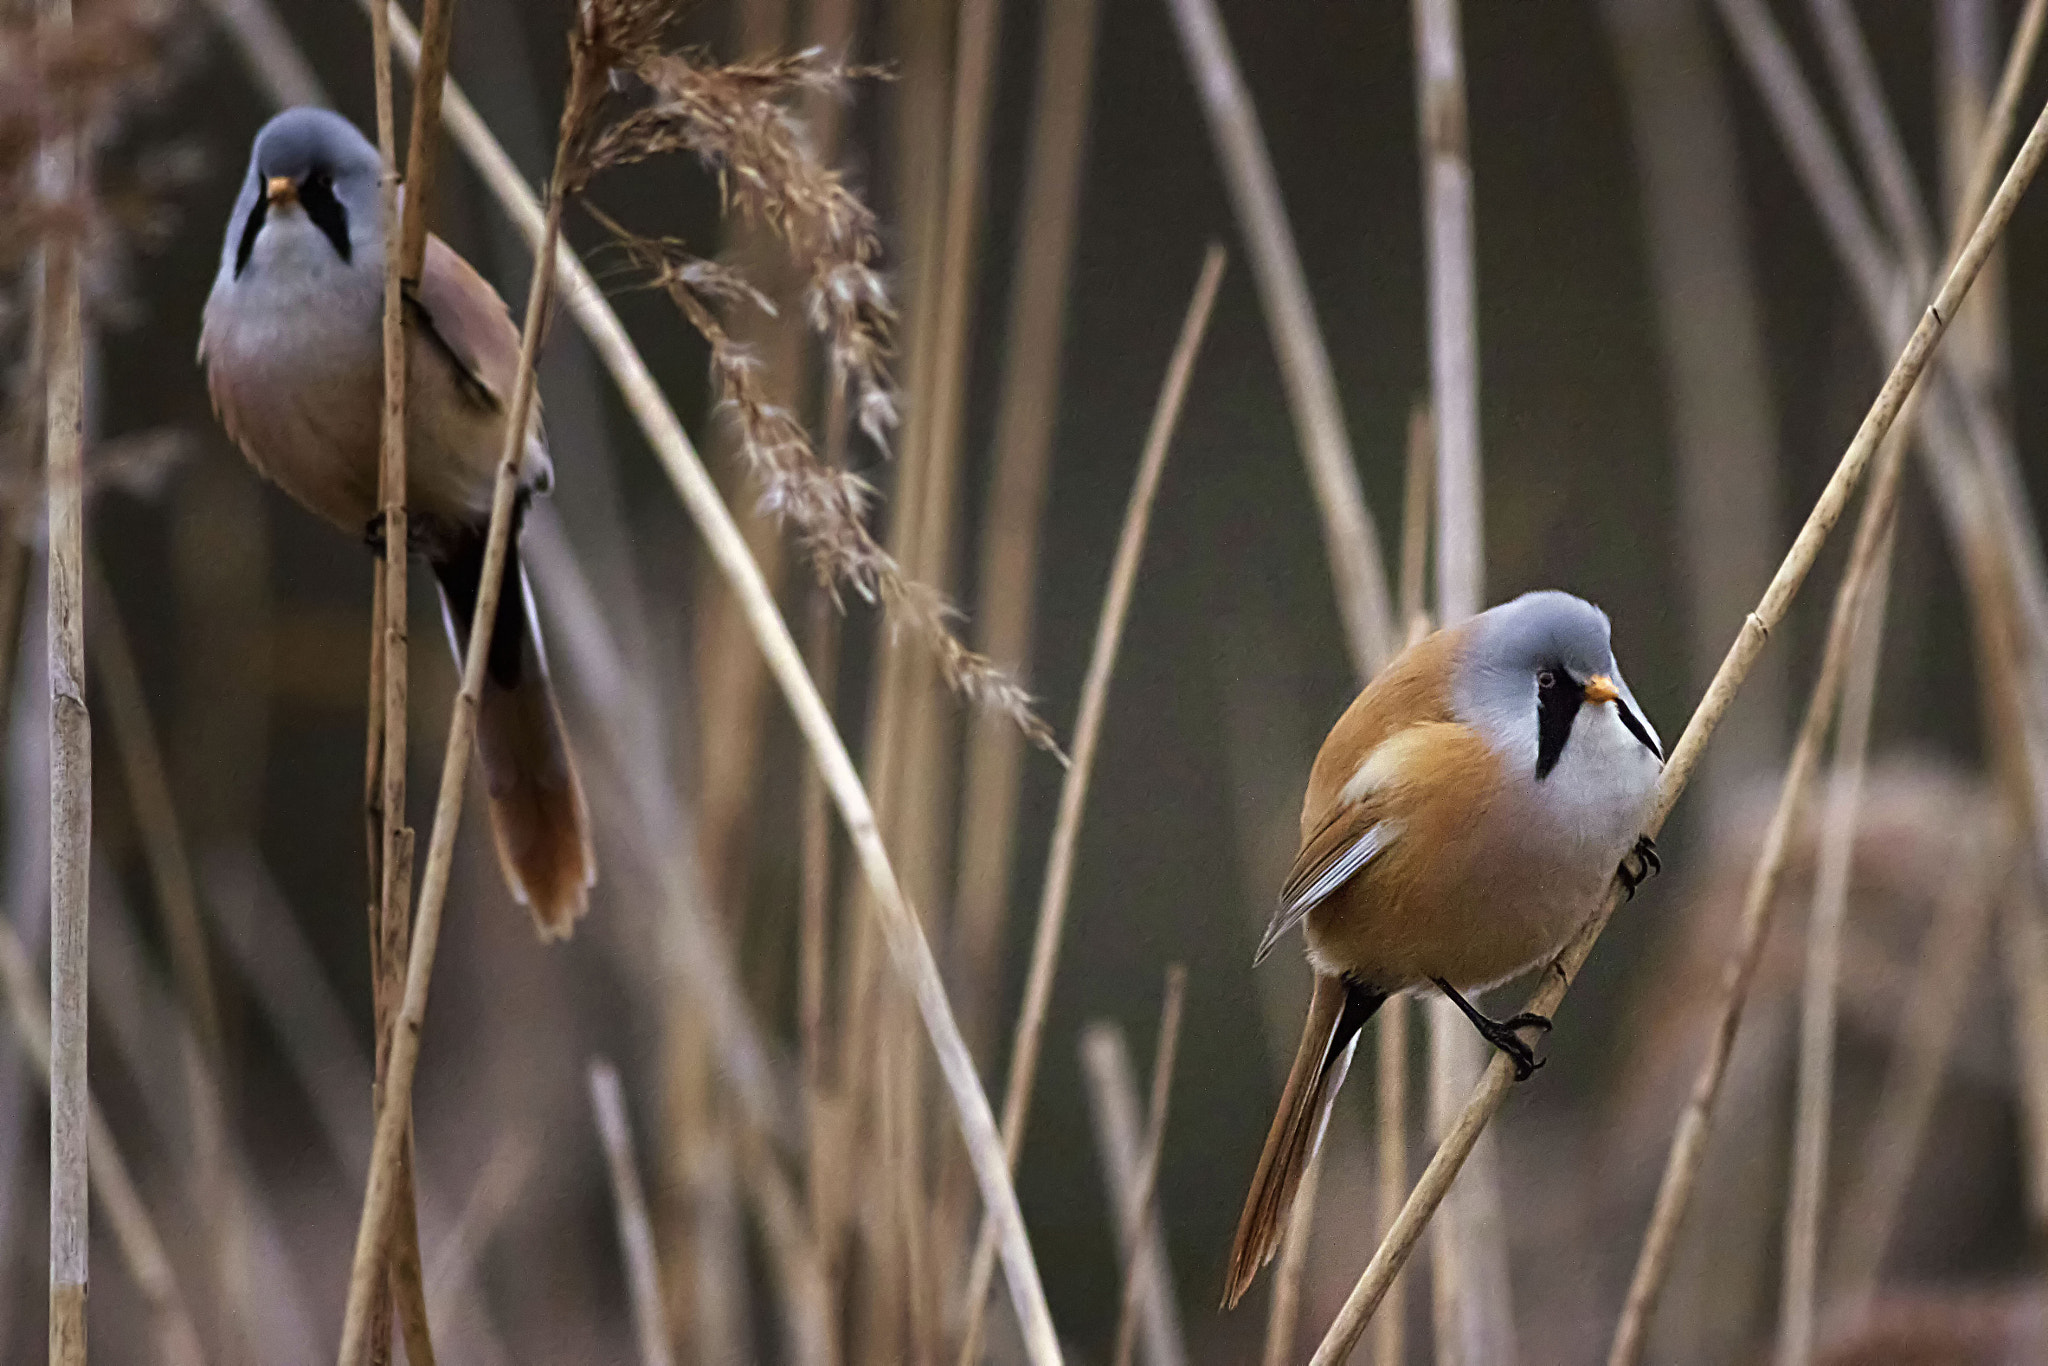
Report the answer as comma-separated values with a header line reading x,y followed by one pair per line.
x,y
1463,818
293,349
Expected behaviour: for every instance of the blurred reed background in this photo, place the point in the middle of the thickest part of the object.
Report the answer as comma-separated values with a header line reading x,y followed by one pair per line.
x,y
1674,345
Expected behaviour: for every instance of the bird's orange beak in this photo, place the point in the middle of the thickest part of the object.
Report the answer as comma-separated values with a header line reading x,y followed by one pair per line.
x,y
281,190
1600,688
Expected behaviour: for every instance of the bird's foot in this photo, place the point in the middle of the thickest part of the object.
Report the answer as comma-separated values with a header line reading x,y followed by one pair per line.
x,y
418,535
1647,865
1502,1034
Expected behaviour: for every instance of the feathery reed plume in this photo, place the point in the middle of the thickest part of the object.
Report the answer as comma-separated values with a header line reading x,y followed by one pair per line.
x,y
1813,1124
1120,1129
737,119
636,1230
1143,1197
671,445
1059,860
60,172
1352,544
1492,1090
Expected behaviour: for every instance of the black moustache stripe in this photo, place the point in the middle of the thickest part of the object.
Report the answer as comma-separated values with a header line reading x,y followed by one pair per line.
x,y
247,246
317,196
1638,729
1556,708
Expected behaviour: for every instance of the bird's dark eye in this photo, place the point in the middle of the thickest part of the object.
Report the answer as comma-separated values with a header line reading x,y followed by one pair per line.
x,y
1546,680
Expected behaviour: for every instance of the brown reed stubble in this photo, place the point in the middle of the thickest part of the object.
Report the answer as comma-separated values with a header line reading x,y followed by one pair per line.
x,y
1492,1090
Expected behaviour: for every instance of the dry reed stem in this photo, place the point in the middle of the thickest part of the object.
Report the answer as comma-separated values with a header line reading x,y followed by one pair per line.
x,y
629,1203
388,726
1749,642
1813,1124
135,1235
423,140
672,446
1688,1144
388,1158
1951,948
1027,412
794,1254
1066,831
60,177
1119,1127
1471,1293
1143,1200
1348,536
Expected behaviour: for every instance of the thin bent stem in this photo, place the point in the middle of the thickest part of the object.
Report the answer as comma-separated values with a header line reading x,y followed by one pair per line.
x,y
1059,861
1119,1126
906,943
1349,539
1492,1090
1143,1205
629,1201
1818,1002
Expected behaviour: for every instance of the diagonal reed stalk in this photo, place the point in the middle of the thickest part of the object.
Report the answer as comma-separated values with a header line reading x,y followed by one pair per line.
x,y
636,1230
672,447
1144,1208
388,1165
1492,1091
1119,1124
1814,1119
60,173
1059,860
1348,536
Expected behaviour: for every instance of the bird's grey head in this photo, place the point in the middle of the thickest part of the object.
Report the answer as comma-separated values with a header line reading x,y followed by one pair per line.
x,y
1530,666
312,180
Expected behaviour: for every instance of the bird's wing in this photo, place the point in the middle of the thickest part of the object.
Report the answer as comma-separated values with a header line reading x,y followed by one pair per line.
x,y
1328,859
459,313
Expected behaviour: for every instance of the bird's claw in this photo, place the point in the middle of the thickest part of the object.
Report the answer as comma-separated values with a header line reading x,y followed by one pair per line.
x,y
1647,865
1502,1033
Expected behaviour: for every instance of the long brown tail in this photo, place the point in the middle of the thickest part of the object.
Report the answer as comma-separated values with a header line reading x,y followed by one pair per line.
x,y
538,818
1336,1012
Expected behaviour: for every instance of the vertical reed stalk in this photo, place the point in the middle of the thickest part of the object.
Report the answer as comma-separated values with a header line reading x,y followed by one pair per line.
x,y
1474,1311
1027,413
387,1180
1348,536
1059,862
60,173
1143,1201
1814,1121
1487,1099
